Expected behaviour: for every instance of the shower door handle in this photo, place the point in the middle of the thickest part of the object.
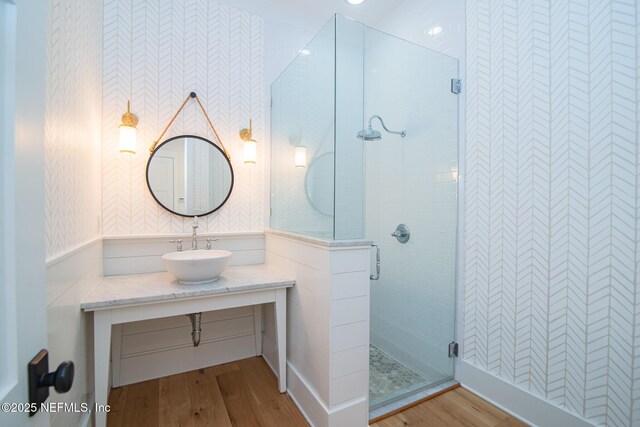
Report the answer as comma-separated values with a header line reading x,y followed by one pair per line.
x,y
377,276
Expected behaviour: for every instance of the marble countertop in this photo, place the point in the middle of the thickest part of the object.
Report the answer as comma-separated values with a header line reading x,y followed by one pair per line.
x,y
329,243
115,291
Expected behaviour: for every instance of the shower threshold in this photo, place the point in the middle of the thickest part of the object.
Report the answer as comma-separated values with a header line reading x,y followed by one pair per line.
x,y
393,385
409,399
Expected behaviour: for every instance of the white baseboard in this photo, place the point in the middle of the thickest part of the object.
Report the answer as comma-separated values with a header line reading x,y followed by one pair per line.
x,y
307,399
520,403
346,414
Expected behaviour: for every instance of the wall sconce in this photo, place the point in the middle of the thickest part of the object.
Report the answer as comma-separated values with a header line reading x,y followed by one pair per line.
x,y
300,158
128,131
250,144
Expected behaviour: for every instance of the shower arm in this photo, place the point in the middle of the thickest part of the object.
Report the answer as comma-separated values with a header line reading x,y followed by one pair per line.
x,y
402,133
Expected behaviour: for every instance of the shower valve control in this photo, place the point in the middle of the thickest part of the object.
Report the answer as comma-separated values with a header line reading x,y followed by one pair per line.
x,y
402,233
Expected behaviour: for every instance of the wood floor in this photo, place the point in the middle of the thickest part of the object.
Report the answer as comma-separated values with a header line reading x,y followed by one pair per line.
x,y
238,394
457,407
245,394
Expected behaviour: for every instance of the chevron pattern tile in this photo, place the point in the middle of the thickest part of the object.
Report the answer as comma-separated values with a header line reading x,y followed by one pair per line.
x,y
552,216
155,53
73,124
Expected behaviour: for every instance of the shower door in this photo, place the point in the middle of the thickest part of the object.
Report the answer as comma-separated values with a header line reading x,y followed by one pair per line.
x,y
410,181
363,183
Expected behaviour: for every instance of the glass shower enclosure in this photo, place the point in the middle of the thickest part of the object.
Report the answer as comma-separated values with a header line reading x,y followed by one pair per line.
x,y
364,145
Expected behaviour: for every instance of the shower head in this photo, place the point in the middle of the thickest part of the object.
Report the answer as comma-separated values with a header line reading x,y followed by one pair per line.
x,y
369,134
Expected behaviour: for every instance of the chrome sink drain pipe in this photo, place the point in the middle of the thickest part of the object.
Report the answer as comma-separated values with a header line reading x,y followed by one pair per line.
x,y
195,327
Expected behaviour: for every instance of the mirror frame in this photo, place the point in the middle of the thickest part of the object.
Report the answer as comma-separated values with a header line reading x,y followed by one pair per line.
x,y
202,139
314,162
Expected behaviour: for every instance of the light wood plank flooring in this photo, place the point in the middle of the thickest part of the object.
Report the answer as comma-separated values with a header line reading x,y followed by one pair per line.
x,y
237,394
457,407
245,394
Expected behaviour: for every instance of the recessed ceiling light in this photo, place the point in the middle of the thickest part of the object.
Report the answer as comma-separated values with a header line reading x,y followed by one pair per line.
x,y
355,2
305,52
435,30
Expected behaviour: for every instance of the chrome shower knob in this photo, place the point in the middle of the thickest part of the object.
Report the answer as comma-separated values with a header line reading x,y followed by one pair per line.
x,y
402,233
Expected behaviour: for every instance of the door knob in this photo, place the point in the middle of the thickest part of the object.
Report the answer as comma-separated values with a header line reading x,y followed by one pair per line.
x,y
61,379
40,379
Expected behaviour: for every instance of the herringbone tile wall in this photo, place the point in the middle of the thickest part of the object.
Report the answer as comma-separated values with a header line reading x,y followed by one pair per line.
x,y
551,301
73,124
155,53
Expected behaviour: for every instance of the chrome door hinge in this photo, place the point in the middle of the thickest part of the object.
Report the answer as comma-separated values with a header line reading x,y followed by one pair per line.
x,y
453,349
456,86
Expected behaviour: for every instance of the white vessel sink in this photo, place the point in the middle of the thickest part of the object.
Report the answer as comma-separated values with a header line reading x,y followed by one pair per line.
x,y
196,267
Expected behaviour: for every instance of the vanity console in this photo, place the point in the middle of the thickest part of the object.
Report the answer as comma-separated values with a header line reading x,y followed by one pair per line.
x,y
121,299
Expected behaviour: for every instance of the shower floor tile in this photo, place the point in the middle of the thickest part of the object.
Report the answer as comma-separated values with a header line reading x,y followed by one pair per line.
x,y
387,376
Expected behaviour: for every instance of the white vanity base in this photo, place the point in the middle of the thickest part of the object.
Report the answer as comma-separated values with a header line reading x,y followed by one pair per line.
x,y
122,299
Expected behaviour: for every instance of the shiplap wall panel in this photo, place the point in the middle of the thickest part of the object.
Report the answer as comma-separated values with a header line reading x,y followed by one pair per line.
x,y
552,210
155,54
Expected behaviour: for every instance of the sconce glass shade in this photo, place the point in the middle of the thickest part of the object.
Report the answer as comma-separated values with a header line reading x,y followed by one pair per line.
x,y
250,151
301,157
128,131
128,139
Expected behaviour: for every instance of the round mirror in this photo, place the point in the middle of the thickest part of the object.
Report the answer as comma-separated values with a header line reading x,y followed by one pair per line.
x,y
318,184
189,176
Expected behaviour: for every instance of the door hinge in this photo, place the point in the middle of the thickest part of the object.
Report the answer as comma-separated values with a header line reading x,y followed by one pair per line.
x,y
453,349
456,86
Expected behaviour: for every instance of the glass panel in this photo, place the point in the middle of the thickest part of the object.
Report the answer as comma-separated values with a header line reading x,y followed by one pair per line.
x,y
349,185
411,180
302,140
323,102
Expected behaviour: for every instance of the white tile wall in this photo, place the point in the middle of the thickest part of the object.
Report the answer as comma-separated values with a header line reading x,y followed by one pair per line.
x,y
73,124
156,53
349,161
412,180
413,20
551,220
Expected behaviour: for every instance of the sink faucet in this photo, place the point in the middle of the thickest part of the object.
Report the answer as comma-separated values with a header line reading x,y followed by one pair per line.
x,y
194,236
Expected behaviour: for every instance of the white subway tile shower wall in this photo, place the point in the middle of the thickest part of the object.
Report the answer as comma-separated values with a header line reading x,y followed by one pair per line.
x,y
73,124
415,20
349,119
412,180
156,53
551,221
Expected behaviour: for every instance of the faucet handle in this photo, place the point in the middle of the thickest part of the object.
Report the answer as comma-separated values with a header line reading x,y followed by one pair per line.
x,y
209,240
179,242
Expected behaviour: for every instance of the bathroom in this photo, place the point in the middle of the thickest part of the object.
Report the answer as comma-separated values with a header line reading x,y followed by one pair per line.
x,y
413,212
